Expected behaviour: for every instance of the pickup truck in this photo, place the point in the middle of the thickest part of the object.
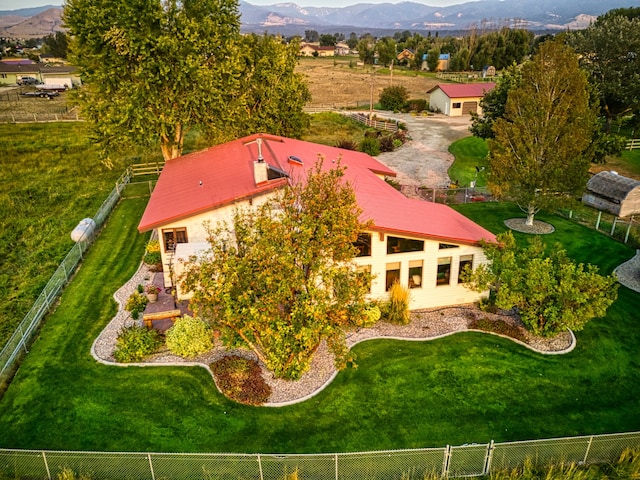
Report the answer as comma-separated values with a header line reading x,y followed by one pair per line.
x,y
27,81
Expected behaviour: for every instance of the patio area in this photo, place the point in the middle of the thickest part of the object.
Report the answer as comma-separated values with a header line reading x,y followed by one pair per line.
x,y
161,313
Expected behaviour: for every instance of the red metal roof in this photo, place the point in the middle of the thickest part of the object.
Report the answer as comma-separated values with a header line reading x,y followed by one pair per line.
x,y
223,174
461,90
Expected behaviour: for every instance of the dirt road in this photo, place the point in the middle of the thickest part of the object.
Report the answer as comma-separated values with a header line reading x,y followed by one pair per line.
x,y
425,159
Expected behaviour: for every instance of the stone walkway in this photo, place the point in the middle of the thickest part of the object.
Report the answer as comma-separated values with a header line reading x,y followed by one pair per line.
x,y
629,273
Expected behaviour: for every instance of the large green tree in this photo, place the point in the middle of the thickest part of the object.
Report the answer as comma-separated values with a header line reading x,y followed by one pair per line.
x,y
550,292
280,280
494,103
272,96
540,155
154,69
610,51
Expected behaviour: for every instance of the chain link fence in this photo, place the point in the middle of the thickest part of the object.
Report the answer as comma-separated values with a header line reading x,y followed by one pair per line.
x,y
420,464
17,346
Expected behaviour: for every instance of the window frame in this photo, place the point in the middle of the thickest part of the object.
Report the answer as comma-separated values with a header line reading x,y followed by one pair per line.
x,y
462,262
179,236
445,279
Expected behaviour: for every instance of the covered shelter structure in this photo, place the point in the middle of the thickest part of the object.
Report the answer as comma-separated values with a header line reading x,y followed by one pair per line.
x,y
613,193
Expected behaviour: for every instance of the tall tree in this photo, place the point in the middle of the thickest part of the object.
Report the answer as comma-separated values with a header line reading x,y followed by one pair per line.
x,y
386,49
494,102
433,58
154,68
610,51
280,280
551,293
273,94
57,44
540,155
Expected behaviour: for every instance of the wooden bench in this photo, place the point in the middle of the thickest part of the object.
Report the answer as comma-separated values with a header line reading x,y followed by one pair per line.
x,y
148,318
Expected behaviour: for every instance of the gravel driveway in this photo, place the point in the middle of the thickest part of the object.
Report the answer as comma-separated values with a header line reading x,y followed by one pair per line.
x,y
425,159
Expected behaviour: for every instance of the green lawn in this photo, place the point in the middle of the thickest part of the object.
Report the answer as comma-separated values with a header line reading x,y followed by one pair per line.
x,y
465,388
51,177
469,152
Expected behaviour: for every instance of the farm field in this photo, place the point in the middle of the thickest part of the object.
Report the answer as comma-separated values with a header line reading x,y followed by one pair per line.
x,y
341,85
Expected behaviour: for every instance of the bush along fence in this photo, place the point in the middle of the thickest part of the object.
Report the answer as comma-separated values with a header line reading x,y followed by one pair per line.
x,y
448,462
18,345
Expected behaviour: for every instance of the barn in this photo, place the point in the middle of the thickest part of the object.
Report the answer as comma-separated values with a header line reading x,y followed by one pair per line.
x,y
613,193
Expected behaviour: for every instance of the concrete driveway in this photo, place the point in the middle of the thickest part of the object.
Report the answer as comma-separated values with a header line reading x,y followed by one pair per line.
x,y
425,159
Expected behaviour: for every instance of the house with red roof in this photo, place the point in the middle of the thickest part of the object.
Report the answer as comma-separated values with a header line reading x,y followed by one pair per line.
x,y
420,244
457,99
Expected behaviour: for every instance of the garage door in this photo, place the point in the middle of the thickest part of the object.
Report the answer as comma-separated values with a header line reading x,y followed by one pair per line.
x,y
468,107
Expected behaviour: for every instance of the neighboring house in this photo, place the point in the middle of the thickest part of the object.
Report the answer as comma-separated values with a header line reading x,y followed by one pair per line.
x,y
443,62
11,72
613,193
406,55
48,58
313,50
420,244
454,99
488,71
342,49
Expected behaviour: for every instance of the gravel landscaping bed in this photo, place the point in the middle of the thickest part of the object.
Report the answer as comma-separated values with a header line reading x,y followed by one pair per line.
x,y
425,325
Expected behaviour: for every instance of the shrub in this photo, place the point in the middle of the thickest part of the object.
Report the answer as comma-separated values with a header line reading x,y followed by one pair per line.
x,y
370,145
386,144
498,326
394,98
136,304
397,309
417,104
347,144
372,314
241,380
135,343
189,337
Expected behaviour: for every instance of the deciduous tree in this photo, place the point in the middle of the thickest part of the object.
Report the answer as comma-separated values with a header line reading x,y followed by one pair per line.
x,y
551,293
610,51
154,69
540,154
494,102
273,94
280,280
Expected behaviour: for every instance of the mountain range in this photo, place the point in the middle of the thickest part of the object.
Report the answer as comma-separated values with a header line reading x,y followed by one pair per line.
x,y
290,18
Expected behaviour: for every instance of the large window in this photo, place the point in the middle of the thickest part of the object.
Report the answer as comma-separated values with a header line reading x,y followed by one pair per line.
x,y
401,245
393,275
363,244
444,271
415,274
466,261
172,237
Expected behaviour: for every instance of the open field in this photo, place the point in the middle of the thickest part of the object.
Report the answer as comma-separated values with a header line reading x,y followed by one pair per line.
x,y
333,82
14,107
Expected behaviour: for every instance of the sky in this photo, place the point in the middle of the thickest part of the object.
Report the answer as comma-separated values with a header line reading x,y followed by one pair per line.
x,y
17,4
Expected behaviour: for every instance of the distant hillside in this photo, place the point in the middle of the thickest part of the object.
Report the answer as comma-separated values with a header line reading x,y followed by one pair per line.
x,y
31,22
290,18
